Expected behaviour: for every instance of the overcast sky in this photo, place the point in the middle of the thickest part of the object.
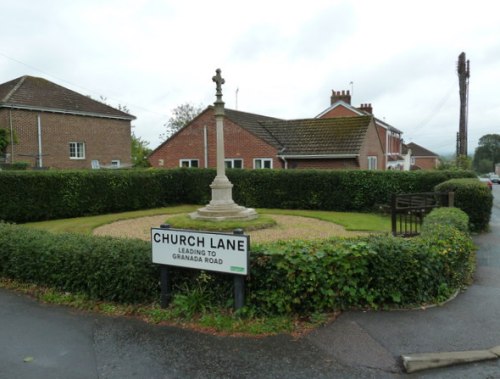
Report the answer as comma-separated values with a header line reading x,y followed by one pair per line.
x,y
283,58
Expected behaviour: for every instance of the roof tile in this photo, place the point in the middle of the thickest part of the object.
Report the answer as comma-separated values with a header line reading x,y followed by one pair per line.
x,y
40,94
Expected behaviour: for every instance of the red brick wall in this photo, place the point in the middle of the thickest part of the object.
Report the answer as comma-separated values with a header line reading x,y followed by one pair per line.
x,y
189,144
429,163
339,111
333,164
105,139
372,146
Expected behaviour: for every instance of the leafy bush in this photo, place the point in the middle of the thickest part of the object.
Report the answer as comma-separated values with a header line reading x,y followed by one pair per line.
x,y
34,195
304,277
101,267
473,197
299,277
14,166
446,216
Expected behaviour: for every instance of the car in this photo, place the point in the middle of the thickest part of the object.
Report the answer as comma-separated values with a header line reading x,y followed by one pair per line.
x,y
495,178
488,182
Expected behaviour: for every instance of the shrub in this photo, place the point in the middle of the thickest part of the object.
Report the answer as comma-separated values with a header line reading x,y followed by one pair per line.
x,y
101,267
300,277
34,195
305,277
474,198
446,216
14,166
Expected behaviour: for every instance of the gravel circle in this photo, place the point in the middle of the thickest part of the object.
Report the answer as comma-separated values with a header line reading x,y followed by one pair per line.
x,y
288,227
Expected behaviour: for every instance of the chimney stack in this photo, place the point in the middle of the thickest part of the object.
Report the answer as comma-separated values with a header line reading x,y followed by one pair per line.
x,y
344,96
366,108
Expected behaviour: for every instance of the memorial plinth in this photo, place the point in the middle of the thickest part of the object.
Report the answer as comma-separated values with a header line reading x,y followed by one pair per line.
x,y
222,207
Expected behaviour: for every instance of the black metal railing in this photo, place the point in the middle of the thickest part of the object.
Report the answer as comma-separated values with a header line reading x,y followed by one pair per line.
x,y
408,210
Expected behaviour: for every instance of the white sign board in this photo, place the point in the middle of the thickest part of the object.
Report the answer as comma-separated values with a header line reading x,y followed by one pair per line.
x,y
201,250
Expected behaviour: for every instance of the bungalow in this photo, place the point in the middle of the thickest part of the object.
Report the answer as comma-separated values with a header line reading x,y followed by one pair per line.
x,y
421,158
255,141
53,126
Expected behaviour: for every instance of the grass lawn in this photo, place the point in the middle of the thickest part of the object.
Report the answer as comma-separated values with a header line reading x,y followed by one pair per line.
x,y
350,220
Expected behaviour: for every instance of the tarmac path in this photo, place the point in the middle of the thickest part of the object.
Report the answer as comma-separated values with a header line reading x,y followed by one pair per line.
x,y
44,341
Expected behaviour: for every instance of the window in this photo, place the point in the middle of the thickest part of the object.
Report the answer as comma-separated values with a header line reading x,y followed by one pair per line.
x,y
234,163
188,163
262,163
77,150
372,163
115,163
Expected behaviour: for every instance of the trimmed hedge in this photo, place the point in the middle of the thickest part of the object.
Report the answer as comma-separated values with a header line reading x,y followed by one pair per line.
x,y
101,267
446,216
286,277
304,277
474,198
45,195
33,196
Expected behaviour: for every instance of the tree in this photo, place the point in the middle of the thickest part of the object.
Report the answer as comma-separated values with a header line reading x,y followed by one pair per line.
x,y
181,116
5,140
488,149
140,152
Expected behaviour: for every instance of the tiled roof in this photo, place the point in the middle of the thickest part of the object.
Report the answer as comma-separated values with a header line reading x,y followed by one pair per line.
x,y
28,92
418,151
254,124
320,136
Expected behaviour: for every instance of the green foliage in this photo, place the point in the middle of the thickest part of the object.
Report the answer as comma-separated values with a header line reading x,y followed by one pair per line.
x,y
5,140
340,190
286,277
474,198
181,116
306,277
446,216
139,152
35,195
102,268
184,221
487,151
15,166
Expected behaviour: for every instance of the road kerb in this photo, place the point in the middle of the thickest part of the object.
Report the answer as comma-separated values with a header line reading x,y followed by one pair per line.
x,y
425,361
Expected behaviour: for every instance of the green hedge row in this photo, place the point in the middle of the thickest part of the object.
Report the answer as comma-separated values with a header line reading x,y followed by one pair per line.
x,y
33,195
285,277
474,198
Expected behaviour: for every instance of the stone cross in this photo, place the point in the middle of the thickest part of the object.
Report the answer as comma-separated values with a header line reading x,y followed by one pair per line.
x,y
219,80
222,207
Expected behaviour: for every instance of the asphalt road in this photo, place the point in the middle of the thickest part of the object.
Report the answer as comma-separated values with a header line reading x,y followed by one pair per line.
x,y
41,341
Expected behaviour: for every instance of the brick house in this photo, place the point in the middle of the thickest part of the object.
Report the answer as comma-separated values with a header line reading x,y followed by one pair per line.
x,y
421,158
254,141
340,106
59,128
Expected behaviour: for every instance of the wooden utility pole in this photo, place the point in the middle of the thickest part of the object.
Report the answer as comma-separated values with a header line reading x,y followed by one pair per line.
x,y
463,70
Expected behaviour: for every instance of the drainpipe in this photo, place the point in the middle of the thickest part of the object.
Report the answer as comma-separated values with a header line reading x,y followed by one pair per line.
x,y
11,137
283,158
205,144
386,148
40,161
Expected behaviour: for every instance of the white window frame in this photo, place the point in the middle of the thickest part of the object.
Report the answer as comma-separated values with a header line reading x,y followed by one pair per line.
x,y
189,162
372,162
74,149
115,163
261,162
229,163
